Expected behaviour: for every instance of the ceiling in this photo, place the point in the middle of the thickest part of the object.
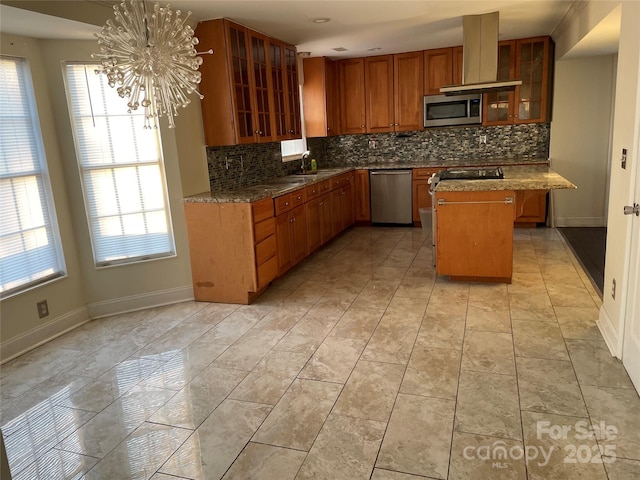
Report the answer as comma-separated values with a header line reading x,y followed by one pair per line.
x,y
356,25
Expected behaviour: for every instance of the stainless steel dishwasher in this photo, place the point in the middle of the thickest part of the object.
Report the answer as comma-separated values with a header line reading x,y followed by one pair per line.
x,y
391,197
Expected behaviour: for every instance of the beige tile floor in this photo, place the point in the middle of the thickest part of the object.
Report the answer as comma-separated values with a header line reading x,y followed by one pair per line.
x,y
358,364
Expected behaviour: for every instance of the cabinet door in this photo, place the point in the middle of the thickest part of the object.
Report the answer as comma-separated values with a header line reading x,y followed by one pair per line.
x,y
299,239
294,128
378,79
261,68
314,224
532,67
331,97
241,81
362,196
457,65
408,77
352,102
283,237
531,207
498,106
346,206
278,79
438,70
326,217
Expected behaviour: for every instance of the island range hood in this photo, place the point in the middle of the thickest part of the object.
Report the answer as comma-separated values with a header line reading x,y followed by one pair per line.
x,y
480,57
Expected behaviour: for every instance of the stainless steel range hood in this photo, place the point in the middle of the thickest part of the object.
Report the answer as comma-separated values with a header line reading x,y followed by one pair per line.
x,y
480,57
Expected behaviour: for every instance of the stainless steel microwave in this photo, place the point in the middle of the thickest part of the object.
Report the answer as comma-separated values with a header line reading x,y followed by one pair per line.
x,y
443,110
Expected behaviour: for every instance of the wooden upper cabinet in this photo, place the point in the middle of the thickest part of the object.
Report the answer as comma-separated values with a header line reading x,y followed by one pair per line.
x,y
438,69
278,82
498,106
319,97
407,80
286,94
294,119
378,77
457,65
352,96
533,60
263,105
244,84
529,60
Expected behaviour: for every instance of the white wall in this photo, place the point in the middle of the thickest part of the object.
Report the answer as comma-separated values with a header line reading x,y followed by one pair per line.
x,y
580,138
88,292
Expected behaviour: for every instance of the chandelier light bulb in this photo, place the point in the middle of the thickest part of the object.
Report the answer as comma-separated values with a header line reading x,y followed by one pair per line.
x,y
151,58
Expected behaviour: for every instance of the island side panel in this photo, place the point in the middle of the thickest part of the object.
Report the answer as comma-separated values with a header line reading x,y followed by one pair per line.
x,y
221,247
474,236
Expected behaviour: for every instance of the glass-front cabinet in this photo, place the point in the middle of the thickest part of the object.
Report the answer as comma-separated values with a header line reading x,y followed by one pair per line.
x,y
528,60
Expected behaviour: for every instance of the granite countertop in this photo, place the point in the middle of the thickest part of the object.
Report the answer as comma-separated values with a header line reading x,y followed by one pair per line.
x,y
271,188
282,185
529,177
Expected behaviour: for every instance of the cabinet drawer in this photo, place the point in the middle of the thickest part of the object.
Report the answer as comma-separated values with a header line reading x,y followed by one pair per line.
x,y
298,197
312,191
264,229
267,271
283,204
424,172
325,186
340,180
266,249
262,210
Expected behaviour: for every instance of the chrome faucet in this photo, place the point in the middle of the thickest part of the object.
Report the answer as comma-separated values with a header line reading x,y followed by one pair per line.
x,y
305,155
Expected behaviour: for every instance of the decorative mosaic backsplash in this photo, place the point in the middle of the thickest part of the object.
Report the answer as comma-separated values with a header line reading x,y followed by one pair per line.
x,y
246,165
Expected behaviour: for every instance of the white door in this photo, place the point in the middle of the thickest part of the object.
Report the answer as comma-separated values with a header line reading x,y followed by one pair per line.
x,y
631,341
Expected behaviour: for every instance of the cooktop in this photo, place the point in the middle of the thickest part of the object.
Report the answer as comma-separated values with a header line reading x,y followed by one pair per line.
x,y
471,173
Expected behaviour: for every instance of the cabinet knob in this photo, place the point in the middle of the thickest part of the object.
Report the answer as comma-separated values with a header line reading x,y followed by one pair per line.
x,y
320,204
397,124
361,126
391,124
313,191
291,220
286,204
299,197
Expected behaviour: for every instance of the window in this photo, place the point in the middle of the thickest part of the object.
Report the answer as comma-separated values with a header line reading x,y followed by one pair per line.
x,y
121,170
30,248
292,149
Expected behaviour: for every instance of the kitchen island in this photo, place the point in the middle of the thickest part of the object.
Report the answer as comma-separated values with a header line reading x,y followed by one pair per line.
x,y
474,221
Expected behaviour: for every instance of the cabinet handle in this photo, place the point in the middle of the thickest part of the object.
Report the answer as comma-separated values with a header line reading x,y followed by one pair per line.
x,y
291,220
313,191
343,193
286,204
361,126
320,204
299,197
391,124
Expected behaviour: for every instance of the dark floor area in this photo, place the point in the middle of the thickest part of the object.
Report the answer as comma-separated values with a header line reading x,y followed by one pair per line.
x,y
588,244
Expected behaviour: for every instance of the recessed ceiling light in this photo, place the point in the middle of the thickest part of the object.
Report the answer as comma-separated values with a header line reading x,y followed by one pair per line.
x,y
320,20
340,49
374,49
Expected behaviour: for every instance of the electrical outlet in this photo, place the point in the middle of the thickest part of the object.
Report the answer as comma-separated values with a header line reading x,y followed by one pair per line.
x,y
623,159
613,289
43,309
483,139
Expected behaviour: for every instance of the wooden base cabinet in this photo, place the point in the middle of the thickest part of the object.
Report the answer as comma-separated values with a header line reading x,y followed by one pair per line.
x,y
291,234
362,196
531,208
232,248
474,235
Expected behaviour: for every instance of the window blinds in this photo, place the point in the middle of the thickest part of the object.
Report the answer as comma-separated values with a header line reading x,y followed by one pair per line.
x,y
121,170
30,251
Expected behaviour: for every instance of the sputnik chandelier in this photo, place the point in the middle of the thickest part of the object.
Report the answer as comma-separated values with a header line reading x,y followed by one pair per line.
x,y
151,58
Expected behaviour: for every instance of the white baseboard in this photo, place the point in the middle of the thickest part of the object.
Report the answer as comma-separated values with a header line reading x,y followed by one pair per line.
x,y
140,301
580,222
43,334
609,333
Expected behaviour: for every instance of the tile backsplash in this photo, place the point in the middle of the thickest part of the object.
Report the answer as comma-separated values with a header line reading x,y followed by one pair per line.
x,y
244,165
